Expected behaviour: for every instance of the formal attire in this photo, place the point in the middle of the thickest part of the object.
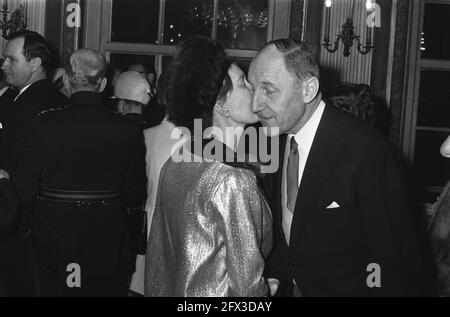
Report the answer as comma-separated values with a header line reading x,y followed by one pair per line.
x,y
211,231
84,164
339,206
17,109
8,210
8,203
139,119
154,113
6,111
159,143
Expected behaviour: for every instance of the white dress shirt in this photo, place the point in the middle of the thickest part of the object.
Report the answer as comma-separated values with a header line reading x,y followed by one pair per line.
x,y
304,139
2,91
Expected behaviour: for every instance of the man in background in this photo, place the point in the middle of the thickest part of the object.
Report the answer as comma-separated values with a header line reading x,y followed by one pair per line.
x,y
133,94
156,111
148,72
27,57
25,61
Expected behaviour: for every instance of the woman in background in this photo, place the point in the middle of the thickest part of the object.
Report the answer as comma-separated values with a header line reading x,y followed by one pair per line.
x,y
211,228
158,144
360,101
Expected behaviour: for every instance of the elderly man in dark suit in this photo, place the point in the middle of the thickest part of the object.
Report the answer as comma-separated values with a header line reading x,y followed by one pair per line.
x,y
85,164
341,220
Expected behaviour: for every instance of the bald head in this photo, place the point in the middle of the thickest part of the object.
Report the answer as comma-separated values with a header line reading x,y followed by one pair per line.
x,y
86,70
132,86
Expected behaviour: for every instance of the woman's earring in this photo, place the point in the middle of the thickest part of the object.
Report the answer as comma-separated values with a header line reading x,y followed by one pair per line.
x,y
226,112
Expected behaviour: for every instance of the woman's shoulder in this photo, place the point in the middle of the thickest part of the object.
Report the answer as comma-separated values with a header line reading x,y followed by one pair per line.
x,y
236,175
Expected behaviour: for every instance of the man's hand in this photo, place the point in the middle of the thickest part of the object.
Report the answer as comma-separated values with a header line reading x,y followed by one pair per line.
x,y
4,174
273,285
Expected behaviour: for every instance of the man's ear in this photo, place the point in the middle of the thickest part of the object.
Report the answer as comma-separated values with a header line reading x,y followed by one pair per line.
x,y
103,85
36,64
311,88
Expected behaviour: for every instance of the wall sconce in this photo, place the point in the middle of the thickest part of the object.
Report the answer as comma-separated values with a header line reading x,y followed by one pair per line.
x,y
17,22
347,35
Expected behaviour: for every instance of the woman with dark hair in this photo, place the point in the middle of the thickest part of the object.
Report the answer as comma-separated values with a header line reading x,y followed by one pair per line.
x,y
211,228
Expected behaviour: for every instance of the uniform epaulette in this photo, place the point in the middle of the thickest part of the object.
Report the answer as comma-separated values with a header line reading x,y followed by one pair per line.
x,y
50,110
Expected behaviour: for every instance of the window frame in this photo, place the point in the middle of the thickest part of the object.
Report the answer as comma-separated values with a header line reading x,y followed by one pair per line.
x,y
416,65
98,17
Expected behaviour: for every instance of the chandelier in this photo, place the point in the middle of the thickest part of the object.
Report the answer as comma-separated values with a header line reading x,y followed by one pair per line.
x,y
17,22
347,35
236,18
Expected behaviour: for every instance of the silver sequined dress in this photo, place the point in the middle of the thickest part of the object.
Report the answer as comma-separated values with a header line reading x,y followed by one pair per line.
x,y
210,235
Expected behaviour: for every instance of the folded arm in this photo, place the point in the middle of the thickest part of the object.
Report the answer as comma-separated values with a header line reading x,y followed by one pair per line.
x,y
241,209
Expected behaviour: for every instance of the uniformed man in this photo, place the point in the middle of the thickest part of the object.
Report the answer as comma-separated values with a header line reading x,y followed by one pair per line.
x,y
26,60
84,164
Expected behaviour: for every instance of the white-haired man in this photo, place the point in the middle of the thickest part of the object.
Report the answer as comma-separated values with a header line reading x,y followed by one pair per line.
x,y
84,164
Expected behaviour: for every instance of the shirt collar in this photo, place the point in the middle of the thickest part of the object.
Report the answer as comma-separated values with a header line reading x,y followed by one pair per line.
x,y
22,91
305,136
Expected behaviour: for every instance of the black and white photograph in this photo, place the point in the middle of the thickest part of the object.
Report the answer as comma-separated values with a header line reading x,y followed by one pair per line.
x,y
236,151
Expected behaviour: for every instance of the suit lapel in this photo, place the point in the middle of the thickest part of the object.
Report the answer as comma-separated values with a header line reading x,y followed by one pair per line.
x,y
322,156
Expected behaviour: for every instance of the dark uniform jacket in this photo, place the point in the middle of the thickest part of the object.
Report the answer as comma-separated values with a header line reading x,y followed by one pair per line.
x,y
8,210
15,119
332,252
83,147
16,116
8,204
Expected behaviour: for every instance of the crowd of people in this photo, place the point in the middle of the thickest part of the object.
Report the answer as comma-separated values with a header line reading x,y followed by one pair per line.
x,y
145,192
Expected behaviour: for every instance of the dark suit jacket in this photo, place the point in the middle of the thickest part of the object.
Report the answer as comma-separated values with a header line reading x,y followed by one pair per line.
x,y
8,204
330,249
16,116
82,147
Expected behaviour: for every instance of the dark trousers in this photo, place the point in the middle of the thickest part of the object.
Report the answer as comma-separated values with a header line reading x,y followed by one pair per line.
x,y
17,272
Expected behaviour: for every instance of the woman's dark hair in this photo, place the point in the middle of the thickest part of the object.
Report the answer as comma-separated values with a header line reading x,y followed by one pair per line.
x,y
198,76
356,99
